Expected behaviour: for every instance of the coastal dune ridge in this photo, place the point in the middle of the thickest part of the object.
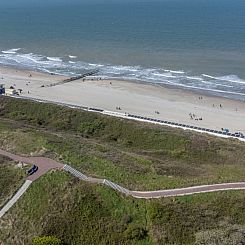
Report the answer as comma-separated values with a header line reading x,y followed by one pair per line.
x,y
143,99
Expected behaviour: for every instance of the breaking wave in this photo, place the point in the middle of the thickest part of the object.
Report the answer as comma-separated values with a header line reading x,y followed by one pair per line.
x,y
72,56
227,86
55,59
11,51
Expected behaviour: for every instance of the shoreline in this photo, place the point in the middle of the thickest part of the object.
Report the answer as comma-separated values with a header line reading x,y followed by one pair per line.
x,y
192,89
197,91
139,98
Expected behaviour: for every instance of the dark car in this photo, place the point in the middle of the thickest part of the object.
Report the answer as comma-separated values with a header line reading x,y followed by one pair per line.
x,y
32,170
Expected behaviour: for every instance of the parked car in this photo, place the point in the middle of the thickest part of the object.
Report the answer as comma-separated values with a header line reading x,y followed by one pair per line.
x,y
32,170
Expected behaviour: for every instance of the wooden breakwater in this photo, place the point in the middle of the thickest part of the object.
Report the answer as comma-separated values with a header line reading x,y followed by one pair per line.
x,y
71,79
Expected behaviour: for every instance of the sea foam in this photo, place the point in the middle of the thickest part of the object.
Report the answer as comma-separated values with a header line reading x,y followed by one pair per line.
x,y
56,59
11,51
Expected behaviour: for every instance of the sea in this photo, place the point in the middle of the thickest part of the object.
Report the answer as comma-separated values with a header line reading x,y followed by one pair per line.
x,y
196,45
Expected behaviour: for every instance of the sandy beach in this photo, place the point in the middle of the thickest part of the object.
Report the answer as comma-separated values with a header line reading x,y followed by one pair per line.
x,y
138,98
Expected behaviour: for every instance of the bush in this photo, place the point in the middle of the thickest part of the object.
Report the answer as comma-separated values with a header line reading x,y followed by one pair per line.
x,y
135,232
46,240
91,128
230,234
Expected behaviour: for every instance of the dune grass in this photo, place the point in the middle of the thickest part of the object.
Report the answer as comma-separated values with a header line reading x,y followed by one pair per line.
x,y
79,213
136,155
11,178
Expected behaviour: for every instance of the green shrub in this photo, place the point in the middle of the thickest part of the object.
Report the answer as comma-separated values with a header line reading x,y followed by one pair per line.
x,y
91,128
46,240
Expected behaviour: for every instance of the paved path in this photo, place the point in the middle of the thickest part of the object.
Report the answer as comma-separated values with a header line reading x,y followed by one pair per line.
x,y
46,164
188,190
161,193
15,198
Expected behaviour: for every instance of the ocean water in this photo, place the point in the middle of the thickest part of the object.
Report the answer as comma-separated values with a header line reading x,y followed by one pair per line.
x,y
190,44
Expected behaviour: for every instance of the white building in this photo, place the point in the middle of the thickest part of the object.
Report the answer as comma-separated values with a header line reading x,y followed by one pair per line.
x,y
10,91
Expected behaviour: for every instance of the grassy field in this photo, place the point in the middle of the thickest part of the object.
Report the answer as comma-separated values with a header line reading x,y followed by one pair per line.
x,y
136,155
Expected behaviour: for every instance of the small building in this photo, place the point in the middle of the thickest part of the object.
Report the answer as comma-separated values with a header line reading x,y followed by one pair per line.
x,y
2,89
11,91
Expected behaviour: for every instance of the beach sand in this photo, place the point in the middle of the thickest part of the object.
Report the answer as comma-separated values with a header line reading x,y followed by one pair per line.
x,y
132,97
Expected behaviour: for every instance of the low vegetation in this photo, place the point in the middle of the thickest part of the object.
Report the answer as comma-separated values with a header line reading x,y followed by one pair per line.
x,y
11,178
135,155
46,240
79,213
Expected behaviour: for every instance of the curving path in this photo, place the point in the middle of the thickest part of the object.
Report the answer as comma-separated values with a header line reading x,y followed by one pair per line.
x,y
189,190
46,164
161,193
